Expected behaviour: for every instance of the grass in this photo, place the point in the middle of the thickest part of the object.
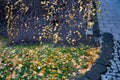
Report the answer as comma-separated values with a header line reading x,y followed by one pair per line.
x,y
44,62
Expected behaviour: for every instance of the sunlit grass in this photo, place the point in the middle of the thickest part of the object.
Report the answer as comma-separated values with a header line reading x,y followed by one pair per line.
x,y
44,62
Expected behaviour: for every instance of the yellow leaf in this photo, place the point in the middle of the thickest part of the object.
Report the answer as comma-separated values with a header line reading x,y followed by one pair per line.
x,y
81,8
71,16
90,24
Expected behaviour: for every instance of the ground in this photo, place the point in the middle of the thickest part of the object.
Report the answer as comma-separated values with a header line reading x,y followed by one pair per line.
x,y
44,61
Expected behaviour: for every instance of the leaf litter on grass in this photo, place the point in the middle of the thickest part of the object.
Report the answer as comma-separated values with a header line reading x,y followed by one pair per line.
x,y
45,62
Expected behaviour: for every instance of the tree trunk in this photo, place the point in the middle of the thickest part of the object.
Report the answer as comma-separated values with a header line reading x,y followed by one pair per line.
x,y
47,21
3,31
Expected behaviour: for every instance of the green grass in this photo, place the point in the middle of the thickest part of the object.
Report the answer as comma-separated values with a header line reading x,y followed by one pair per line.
x,y
43,62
